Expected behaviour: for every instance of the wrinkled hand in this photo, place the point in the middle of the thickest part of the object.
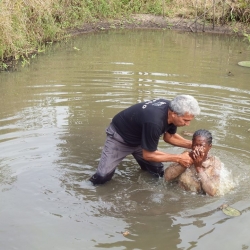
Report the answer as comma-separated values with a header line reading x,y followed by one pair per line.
x,y
197,154
185,160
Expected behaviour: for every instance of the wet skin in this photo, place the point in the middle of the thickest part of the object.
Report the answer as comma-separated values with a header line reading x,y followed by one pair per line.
x,y
200,149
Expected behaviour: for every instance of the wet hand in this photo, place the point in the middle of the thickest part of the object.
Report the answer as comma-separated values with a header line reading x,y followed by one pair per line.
x,y
198,154
185,160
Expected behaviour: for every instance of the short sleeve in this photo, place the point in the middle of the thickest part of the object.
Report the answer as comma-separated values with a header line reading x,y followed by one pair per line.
x,y
171,129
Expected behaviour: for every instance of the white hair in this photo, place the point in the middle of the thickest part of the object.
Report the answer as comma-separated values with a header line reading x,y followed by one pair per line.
x,y
185,104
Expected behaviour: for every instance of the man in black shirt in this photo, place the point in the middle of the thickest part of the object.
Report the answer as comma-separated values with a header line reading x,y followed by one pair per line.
x,y
137,130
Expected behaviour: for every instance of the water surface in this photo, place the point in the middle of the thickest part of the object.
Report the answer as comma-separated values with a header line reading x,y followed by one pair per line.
x,y
53,116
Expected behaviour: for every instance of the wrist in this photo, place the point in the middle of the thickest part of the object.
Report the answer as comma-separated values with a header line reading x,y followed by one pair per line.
x,y
199,169
189,144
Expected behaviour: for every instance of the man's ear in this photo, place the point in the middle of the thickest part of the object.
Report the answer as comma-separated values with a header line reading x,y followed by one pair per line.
x,y
173,114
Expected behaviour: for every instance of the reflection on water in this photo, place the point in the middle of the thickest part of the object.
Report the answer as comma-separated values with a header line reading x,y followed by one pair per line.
x,y
53,116
197,228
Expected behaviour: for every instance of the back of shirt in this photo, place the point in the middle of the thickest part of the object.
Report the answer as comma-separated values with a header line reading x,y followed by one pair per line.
x,y
144,123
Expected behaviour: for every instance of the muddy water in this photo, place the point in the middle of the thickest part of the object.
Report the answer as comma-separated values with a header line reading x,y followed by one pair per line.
x,y
53,115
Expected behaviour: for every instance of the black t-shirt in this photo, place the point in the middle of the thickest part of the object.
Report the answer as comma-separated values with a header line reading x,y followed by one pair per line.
x,y
144,123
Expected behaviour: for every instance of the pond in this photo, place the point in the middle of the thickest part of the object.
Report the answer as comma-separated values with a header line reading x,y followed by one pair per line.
x,y
53,116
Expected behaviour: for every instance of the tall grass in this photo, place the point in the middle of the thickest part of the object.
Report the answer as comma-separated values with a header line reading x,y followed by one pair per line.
x,y
229,10
27,25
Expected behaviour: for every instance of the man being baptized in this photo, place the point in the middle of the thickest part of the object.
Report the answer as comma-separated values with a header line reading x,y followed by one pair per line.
x,y
204,175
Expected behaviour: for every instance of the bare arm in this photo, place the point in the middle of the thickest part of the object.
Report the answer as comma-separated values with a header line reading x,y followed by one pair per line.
x,y
210,184
210,178
177,140
173,171
158,156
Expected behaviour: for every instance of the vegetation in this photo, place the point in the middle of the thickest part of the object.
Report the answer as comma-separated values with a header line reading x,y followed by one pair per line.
x,y
26,26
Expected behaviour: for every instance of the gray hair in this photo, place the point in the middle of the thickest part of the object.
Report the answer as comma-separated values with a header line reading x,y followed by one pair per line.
x,y
204,133
183,104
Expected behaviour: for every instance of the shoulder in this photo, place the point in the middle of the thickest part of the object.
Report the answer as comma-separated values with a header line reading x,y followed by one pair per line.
x,y
215,161
211,160
212,165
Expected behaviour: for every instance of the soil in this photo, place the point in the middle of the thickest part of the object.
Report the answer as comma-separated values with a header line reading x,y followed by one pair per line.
x,y
147,21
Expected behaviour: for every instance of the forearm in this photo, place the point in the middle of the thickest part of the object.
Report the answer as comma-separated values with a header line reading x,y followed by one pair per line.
x,y
173,171
159,156
177,140
209,185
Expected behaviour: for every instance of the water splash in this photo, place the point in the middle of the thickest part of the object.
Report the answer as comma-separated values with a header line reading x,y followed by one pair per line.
x,y
227,182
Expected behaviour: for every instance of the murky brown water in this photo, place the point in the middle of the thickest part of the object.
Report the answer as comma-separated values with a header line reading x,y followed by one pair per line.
x,y
53,116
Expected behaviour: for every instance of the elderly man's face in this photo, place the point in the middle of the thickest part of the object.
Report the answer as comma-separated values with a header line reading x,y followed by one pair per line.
x,y
181,121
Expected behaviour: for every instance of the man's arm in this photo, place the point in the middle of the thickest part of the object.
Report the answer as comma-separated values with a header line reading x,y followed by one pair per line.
x,y
177,140
158,156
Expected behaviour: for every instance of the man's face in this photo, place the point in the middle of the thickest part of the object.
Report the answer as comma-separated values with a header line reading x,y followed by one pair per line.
x,y
181,121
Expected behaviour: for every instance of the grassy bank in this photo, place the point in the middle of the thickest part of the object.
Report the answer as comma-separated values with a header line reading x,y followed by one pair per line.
x,y
26,26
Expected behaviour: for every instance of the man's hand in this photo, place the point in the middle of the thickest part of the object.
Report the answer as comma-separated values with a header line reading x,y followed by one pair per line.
x,y
185,160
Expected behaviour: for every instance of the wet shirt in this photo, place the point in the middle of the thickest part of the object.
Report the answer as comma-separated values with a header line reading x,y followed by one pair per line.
x,y
144,123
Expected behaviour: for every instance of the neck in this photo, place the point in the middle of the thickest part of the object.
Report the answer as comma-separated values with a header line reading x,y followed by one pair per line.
x,y
170,120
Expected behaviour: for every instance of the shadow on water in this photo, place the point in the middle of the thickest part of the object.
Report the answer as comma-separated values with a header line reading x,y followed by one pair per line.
x,y
53,116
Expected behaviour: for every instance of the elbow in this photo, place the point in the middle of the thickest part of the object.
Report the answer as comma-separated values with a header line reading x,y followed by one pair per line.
x,y
167,178
166,137
212,191
167,175
147,156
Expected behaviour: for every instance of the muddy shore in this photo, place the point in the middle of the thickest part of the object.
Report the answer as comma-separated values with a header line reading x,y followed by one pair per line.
x,y
147,21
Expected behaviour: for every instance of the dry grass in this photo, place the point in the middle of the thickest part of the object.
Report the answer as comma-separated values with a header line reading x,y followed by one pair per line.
x,y
229,10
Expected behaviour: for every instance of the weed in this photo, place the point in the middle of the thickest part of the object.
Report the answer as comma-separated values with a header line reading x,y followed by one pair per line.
x,y
3,66
247,37
24,61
